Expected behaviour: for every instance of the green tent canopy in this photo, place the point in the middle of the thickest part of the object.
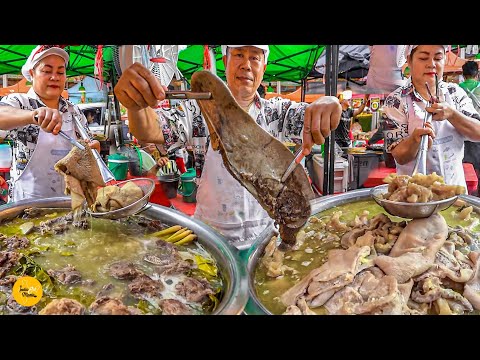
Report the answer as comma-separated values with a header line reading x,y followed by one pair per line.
x,y
285,62
82,59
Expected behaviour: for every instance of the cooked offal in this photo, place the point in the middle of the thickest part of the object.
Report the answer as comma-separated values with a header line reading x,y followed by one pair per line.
x,y
419,188
381,266
254,157
82,175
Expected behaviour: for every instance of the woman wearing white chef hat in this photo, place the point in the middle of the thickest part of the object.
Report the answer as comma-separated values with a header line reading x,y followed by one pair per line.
x,y
33,121
454,119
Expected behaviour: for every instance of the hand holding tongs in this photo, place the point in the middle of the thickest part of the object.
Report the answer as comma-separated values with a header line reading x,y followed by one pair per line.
x,y
421,162
298,157
69,138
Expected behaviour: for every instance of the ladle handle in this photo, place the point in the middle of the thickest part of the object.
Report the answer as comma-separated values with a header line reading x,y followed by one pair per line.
x,y
421,163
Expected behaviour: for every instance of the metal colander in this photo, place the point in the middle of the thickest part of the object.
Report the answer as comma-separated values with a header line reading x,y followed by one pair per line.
x,y
409,210
147,185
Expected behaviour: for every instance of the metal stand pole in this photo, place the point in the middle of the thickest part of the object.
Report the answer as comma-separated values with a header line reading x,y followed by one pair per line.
x,y
331,70
304,90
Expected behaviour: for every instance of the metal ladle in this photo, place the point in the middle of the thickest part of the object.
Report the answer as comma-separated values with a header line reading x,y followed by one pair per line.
x,y
146,184
414,210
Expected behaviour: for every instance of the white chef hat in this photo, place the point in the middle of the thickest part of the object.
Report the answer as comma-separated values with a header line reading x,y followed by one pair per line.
x,y
265,48
404,50
39,53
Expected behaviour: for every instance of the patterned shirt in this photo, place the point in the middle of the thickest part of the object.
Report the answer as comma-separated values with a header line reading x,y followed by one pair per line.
x,y
407,107
25,137
396,104
184,125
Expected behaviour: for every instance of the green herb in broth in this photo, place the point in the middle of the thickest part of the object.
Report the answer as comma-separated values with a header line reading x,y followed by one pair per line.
x,y
313,253
92,251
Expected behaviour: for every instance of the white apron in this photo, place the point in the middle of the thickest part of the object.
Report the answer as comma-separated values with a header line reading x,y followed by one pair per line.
x,y
39,179
446,154
226,205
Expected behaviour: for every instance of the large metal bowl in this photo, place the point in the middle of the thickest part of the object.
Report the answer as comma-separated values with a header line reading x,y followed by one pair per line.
x,y
235,279
409,210
254,305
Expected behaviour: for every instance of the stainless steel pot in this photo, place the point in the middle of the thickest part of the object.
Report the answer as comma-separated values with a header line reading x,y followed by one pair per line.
x,y
235,279
254,306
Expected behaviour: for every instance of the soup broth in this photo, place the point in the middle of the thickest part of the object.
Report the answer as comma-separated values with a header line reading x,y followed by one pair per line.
x,y
94,250
314,250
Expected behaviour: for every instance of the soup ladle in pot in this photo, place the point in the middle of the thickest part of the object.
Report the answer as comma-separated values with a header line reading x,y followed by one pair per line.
x,y
409,210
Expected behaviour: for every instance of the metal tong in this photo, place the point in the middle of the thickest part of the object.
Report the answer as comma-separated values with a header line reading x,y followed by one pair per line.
x,y
69,138
298,157
421,161
107,175
72,140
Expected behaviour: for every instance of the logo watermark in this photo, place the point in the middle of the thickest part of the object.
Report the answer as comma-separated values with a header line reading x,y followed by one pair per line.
x,y
27,291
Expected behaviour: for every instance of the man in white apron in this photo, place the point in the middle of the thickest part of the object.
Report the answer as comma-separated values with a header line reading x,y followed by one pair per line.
x,y
454,119
221,201
34,120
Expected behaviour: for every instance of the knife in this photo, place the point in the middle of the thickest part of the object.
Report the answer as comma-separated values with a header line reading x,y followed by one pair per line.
x,y
298,157
188,95
72,140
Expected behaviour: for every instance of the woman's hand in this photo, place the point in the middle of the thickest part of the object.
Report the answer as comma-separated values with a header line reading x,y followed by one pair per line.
x,y
50,120
440,111
419,132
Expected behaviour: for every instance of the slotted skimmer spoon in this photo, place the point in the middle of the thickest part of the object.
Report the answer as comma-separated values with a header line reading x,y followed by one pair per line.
x,y
146,184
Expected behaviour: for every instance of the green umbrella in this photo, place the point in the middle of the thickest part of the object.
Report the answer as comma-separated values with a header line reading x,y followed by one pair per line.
x,y
285,63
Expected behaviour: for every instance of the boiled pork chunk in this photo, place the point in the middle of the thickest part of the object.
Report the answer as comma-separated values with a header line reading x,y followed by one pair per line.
x,y
254,157
82,175
415,250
